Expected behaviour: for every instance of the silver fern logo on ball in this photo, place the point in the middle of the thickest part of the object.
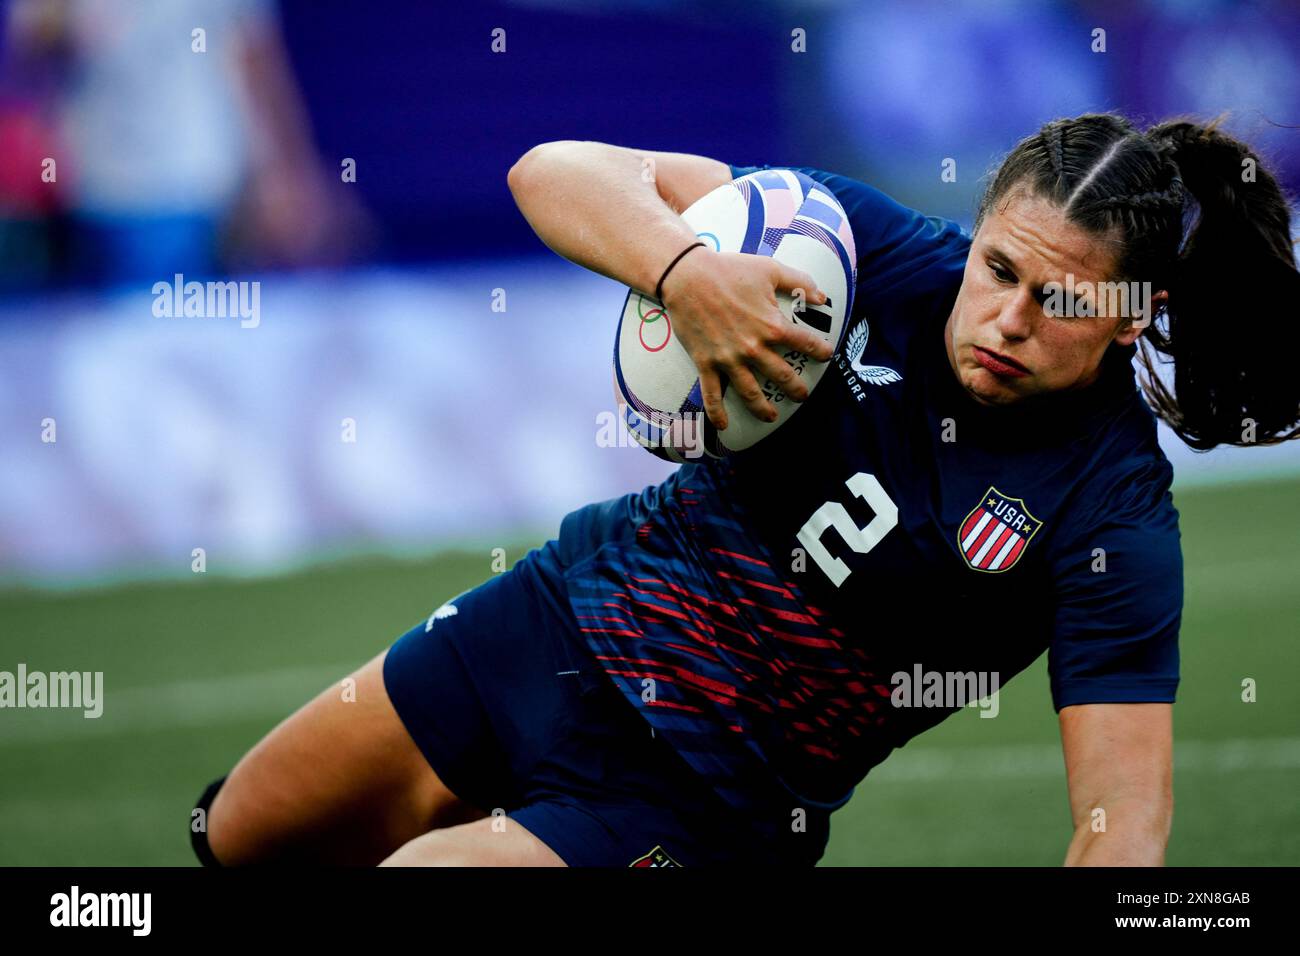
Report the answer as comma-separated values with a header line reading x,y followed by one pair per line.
x,y
857,344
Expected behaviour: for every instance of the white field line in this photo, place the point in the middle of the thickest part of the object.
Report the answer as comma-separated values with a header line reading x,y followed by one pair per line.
x,y
275,694
1000,762
196,703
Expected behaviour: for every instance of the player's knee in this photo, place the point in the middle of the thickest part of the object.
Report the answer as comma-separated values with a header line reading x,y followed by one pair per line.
x,y
439,848
480,843
235,832
431,849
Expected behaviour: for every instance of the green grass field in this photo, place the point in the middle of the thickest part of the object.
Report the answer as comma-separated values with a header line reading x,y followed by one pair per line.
x,y
197,670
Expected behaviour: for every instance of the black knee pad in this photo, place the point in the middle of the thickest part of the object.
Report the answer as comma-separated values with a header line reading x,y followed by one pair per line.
x,y
199,835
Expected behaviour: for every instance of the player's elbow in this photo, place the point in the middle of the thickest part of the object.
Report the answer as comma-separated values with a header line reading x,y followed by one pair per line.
x,y
538,158
1123,830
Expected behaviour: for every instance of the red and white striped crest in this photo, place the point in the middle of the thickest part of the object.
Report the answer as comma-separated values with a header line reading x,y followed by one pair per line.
x,y
995,534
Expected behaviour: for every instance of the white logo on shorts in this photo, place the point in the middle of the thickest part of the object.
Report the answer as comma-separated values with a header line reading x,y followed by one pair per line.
x,y
447,610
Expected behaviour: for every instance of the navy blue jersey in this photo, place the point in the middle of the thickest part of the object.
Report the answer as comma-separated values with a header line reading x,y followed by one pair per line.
x,y
755,609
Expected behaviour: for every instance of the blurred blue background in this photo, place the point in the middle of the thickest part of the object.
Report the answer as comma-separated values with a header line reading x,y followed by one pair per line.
x,y
376,295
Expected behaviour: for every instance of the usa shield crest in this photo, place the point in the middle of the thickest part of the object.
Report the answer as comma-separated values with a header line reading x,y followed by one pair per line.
x,y
996,532
655,858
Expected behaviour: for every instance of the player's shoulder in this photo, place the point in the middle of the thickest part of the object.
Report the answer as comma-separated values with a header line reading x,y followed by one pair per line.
x,y
1126,486
892,239
845,188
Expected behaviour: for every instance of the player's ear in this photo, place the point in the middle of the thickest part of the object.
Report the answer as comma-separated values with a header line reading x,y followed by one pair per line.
x,y
1129,332
1132,327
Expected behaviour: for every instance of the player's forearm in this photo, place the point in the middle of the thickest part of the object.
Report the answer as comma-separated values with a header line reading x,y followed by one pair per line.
x,y
597,205
1136,834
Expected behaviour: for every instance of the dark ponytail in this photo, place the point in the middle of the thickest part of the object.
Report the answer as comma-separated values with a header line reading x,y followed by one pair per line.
x,y
1197,215
1232,326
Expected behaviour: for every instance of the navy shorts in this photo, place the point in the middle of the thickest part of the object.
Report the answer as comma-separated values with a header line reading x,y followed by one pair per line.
x,y
515,716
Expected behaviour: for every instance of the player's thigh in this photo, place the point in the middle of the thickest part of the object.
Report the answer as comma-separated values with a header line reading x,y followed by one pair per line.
x,y
340,780
496,841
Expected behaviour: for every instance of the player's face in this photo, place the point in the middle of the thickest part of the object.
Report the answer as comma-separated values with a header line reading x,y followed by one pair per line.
x,y
1003,341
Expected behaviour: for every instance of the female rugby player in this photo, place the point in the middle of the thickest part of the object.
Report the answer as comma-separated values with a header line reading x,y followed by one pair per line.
x,y
700,673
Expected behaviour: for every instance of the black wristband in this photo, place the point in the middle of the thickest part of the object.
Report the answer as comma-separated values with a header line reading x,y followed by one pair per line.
x,y
659,289
199,838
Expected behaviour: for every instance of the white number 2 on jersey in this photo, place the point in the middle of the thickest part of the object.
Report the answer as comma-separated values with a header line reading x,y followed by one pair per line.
x,y
834,515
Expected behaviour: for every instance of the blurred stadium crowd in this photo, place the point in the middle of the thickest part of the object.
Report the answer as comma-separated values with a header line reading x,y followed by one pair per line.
x,y
352,159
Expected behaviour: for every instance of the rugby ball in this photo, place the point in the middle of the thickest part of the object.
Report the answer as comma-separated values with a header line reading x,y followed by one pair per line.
x,y
774,212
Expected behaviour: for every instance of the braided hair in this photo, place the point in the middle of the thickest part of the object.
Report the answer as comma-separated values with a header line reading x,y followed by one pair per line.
x,y
1192,211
